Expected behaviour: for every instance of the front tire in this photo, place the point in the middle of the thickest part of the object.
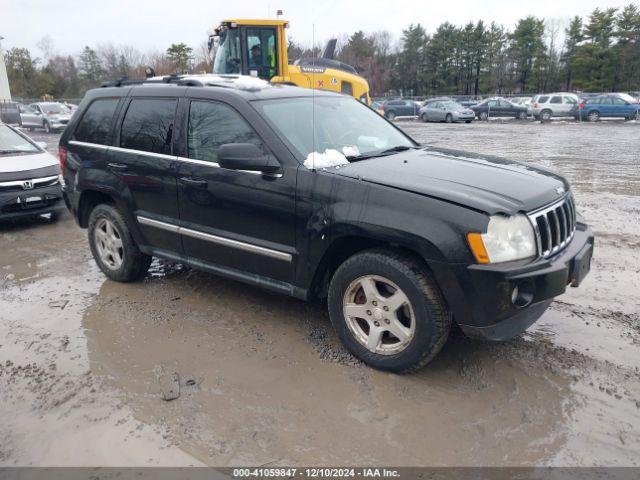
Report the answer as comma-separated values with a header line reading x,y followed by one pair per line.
x,y
424,117
545,115
47,127
388,311
522,115
391,116
483,116
448,118
113,247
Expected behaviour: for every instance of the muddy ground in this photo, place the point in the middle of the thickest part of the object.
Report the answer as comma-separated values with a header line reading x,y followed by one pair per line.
x,y
264,381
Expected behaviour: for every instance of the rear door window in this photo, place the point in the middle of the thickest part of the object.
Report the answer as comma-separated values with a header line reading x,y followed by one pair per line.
x,y
212,124
148,125
556,100
95,125
570,100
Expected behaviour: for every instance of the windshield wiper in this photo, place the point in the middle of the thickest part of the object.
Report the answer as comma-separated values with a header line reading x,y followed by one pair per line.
x,y
383,153
11,151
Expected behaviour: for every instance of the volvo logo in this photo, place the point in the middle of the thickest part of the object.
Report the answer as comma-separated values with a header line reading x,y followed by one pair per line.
x,y
27,184
560,190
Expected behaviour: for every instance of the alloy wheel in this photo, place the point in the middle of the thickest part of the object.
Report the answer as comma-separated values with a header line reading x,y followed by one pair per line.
x,y
379,314
108,244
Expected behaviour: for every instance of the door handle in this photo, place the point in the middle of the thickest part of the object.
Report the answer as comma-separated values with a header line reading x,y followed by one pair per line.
x,y
117,166
194,182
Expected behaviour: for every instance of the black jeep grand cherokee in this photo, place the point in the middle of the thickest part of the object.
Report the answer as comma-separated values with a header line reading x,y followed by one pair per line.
x,y
315,195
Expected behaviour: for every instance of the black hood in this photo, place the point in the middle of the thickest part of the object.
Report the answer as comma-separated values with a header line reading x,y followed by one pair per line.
x,y
486,183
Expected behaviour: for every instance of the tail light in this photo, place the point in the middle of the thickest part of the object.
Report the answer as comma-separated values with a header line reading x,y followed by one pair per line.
x,y
62,156
535,105
581,106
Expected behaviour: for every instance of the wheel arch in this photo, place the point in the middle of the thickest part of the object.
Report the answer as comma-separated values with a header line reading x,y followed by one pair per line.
x,y
345,247
88,200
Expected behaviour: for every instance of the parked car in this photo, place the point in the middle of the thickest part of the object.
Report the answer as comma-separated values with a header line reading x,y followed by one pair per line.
x,y
546,106
499,107
9,112
400,108
252,185
47,115
446,111
465,100
616,105
29,177
377,106
524,102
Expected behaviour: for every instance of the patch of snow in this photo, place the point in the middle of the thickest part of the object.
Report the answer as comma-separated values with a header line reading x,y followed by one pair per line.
x,y
350,151
330,158
251,84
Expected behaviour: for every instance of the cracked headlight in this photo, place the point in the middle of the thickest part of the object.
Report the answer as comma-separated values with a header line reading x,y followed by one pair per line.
x,y
507,239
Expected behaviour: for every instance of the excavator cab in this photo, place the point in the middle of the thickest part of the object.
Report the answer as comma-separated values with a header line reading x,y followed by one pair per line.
x,y
259,48
250,48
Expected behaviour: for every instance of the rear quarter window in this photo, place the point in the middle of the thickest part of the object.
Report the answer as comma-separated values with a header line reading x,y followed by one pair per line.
x,y
95,124
543,99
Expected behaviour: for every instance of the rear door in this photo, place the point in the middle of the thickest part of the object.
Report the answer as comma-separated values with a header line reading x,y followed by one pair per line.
x,y
29,117
143,159
438,113
237,221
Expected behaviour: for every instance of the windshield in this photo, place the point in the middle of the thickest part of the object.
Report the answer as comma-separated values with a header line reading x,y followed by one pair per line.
x,y
337,123
54,108
12,142
228,54
627,98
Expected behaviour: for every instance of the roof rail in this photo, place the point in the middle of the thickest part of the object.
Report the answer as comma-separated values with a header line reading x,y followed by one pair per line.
x,y
240,82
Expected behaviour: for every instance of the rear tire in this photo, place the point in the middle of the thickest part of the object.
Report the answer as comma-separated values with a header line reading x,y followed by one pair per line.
x,y
400,291
483,116
424,118
545,116
467,121
593,116
113,247
390,116
522,115
47,127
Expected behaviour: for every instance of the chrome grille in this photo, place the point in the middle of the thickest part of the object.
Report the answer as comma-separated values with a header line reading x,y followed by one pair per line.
x,y
554,226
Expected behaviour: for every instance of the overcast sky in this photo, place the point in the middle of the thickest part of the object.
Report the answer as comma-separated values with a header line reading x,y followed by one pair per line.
x,y
152,25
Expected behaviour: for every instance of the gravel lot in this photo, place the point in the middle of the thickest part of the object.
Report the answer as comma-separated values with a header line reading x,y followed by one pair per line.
x,y
263,379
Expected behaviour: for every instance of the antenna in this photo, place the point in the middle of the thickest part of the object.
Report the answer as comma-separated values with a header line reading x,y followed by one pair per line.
x,y
313,94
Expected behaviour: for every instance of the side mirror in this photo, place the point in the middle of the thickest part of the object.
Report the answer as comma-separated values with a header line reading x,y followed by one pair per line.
x,y
42,145
246,156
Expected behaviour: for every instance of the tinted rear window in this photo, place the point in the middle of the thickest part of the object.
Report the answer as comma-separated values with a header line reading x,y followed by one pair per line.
x,y
95,125
148,125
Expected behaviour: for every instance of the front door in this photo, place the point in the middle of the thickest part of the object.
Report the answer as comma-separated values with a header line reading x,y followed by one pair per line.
x,y
143,160
240,222
29,116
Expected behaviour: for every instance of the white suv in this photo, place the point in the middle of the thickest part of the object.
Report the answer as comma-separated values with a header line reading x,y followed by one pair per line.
x,y
548,105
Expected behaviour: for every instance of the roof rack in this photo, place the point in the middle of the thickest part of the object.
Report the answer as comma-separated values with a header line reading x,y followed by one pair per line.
x,y
240,82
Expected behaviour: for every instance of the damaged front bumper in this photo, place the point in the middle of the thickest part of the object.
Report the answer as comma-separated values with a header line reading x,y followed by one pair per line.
x,y
498,302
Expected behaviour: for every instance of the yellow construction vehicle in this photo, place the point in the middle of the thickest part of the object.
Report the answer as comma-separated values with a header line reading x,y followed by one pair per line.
x,y
259,48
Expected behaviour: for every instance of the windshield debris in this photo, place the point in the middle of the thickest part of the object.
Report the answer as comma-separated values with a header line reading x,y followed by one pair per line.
x,y
330,158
